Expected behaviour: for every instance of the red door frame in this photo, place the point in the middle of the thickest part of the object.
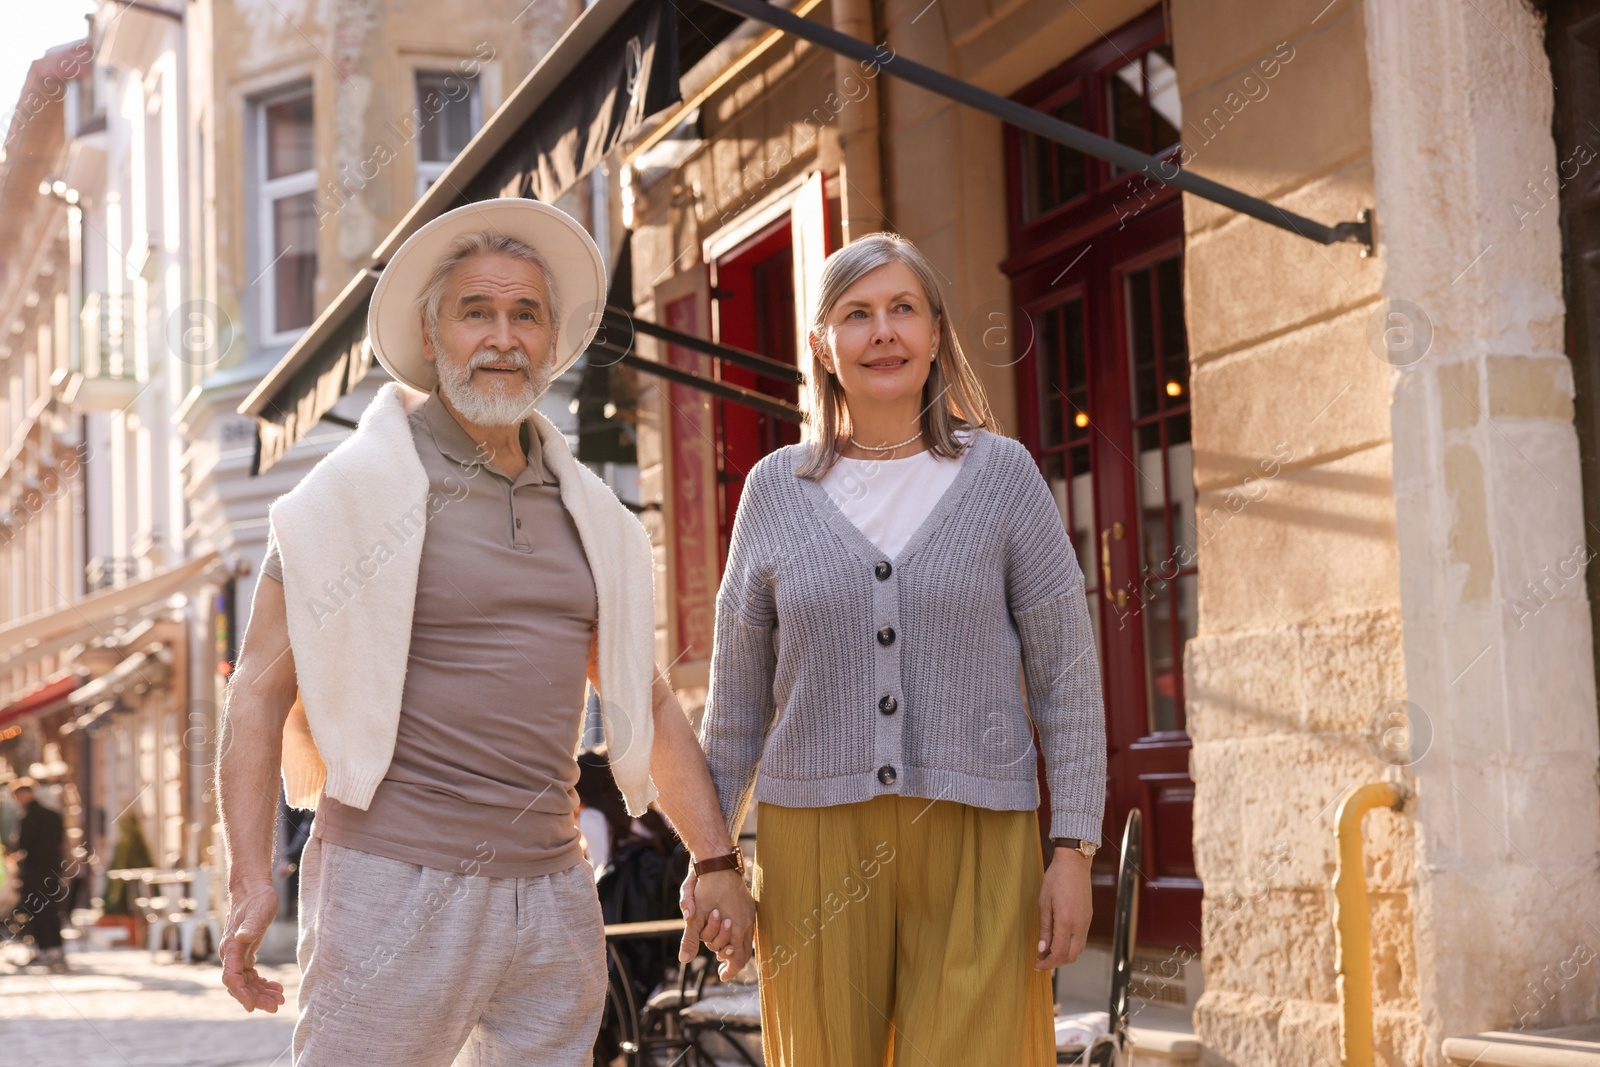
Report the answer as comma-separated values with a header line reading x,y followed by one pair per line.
x,y
1085,248
747,318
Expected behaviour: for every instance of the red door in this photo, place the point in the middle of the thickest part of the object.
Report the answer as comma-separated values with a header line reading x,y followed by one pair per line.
x,y
1103,394
755,299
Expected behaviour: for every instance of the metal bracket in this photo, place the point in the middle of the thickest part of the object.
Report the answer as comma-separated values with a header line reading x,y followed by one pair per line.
x,y
1360,231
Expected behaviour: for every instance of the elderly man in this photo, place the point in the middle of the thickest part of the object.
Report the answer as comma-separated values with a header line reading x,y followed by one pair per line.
x,y
436,592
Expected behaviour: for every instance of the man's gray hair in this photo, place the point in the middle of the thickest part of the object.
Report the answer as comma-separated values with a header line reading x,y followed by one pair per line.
x,y
479,244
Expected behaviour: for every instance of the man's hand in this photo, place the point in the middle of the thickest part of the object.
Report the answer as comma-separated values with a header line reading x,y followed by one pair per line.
x,y
252,909
261,693
720,911
1065,907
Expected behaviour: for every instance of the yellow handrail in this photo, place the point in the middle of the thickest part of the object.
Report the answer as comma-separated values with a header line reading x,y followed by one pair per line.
x,y
1352,924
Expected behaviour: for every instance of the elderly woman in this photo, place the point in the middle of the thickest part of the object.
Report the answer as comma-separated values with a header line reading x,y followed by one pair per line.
x,y
889,586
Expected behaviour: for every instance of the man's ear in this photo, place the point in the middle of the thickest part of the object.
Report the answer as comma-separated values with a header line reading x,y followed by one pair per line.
x,y
428,352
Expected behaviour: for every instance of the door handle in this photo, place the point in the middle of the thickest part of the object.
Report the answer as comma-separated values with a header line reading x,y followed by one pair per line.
x,y
1116,530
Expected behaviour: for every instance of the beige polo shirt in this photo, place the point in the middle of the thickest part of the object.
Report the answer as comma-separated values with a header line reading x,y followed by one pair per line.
x,y
483,775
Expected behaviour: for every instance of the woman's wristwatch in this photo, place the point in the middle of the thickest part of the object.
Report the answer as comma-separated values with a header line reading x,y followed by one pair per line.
x,y
1086,849
732,861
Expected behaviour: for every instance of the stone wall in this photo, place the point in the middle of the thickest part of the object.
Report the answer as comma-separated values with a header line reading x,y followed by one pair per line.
x,y
1299,655
1489,508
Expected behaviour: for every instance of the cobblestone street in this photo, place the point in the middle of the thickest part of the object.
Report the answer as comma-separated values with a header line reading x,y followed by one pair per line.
x,y
118,1008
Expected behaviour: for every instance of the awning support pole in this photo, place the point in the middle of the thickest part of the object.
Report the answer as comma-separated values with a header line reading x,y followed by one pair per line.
x,y
738,394
625,323
1051,128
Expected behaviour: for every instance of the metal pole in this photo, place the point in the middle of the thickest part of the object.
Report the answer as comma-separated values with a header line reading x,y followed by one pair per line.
x,y
1166,172
1352,923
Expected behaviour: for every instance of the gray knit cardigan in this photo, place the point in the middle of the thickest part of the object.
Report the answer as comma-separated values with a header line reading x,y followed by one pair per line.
x,y
845,676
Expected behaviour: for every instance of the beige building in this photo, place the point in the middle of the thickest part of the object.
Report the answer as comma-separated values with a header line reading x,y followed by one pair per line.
x,y
1309,488
98,659
1331,505
315,126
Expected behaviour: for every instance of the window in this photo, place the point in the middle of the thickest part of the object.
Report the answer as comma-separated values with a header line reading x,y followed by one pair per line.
x,y
286,219
1129,94
449,112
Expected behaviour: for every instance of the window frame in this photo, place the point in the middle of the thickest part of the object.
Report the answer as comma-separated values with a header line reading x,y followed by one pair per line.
x,y
266,192
1087,76
428,171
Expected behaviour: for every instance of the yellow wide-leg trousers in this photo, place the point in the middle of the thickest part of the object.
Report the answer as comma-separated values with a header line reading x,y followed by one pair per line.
x,y
900,932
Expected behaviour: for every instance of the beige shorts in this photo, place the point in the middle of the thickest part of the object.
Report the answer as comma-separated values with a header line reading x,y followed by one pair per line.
x,y
403,964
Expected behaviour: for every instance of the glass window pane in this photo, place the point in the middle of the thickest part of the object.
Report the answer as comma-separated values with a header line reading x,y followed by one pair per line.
x,y
1053,381
294,272
289,147
1083,537
1063,378
1053,174
444,110
1163,663
1166,110
1174,335
1180,474
1142,103
1152,500
1070,177
1141,342
1125,105
1077,364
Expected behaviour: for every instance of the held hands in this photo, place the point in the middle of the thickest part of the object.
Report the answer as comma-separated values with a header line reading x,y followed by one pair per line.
x,y
251,910
719,910
1065,907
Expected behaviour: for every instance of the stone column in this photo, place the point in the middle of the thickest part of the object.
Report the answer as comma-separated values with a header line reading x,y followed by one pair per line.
x,y
1488,509
1299,648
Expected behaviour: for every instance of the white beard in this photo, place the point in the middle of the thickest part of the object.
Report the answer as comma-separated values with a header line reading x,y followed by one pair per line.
x,y
508,402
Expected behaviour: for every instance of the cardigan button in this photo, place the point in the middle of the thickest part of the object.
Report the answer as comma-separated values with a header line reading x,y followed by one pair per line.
x,y
888,705
886,636
886,774
883,570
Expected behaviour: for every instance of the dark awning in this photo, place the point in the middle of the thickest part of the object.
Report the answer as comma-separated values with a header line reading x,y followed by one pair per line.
x,y
49,695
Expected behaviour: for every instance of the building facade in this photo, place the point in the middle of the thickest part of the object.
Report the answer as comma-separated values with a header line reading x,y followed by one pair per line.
x,y
1309,488
98,651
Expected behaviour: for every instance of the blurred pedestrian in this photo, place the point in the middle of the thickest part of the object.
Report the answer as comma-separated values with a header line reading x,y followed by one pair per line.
x,y
42,885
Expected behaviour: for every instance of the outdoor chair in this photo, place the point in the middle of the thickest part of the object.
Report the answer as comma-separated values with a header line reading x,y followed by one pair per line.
x,y
1110,1047
193,912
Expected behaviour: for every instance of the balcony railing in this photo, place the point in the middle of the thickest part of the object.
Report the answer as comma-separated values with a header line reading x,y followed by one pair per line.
x,y
104,366
103,572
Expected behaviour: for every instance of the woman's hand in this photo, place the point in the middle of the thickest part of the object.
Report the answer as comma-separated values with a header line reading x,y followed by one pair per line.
x,y
1065,907
721,912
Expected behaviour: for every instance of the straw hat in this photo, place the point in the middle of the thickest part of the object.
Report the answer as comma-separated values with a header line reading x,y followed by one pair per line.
x,y
394,319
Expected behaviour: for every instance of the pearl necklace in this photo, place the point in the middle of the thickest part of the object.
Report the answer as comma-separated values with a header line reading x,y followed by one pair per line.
x,y
885,448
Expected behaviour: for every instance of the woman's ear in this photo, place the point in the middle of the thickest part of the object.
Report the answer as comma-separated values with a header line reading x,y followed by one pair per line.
x,y
819,350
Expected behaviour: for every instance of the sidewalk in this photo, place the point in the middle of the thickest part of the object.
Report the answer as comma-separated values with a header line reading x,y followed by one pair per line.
x,y
117,1008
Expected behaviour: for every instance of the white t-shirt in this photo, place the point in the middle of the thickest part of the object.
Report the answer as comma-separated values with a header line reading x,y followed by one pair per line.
x,y
888,499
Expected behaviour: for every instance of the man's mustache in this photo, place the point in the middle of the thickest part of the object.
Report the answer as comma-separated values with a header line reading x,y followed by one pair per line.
x,y
514,356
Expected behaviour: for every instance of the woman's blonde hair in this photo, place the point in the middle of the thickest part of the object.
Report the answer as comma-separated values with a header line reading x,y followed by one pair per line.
x,y
952,399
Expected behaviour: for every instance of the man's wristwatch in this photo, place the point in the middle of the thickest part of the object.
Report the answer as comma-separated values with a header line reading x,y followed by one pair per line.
x,y
1086,849
733,861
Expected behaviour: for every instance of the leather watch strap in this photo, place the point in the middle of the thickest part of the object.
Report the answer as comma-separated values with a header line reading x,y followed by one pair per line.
x,y
1084,848
732,861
